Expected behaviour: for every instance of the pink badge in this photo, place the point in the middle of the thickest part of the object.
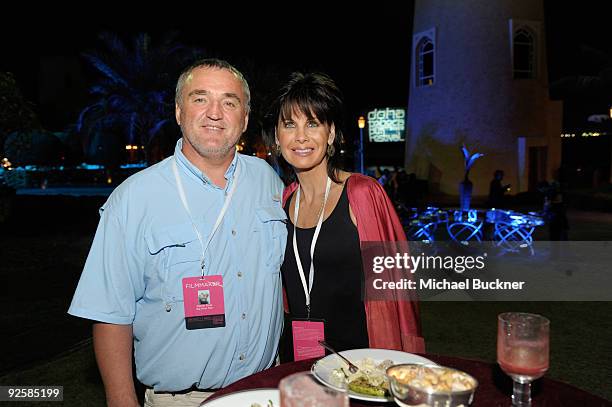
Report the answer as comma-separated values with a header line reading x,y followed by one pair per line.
x,y
203,296
306,337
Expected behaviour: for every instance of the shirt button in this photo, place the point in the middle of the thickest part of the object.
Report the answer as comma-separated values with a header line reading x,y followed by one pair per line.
x,y
241,356
233,233
240,274
243,315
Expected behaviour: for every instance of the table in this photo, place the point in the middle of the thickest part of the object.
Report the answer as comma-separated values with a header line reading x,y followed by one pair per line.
x,y
511,230
494,387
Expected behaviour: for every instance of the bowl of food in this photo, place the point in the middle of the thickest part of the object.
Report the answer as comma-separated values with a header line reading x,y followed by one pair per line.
x,y
430,385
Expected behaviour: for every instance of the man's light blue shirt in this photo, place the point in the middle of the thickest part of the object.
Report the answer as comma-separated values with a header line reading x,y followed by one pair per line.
x,y
145,245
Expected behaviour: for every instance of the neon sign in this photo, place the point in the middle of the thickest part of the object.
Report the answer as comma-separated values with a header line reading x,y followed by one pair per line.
x,y
386,125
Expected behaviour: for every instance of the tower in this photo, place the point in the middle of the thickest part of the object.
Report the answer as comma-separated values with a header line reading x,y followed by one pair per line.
x,y
479,76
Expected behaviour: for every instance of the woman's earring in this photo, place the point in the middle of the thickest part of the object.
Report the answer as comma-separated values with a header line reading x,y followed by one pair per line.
x,y
277,150
331,150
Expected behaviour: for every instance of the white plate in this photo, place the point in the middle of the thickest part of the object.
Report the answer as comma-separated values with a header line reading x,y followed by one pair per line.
x,y
245,398
322,368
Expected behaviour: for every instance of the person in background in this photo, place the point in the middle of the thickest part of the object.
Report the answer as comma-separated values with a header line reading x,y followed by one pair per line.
x,y
556,211
497,190
331,212
205,218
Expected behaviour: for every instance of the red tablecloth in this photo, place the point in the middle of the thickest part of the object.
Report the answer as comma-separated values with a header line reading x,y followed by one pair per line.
x,y
494,387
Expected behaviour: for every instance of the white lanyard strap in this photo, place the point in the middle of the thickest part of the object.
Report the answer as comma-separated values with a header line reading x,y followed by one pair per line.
x,y
296,211
228,199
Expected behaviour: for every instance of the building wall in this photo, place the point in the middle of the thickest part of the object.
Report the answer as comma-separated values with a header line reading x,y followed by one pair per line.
x,y
475,100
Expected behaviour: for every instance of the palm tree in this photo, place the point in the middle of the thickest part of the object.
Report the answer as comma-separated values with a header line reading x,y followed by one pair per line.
x,y
134,97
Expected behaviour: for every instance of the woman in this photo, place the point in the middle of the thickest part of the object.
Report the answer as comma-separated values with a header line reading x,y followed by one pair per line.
x,y
331,212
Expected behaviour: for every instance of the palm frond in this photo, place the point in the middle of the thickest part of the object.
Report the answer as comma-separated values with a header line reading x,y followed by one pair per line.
x,y
113,44
105,68
157,127
88,110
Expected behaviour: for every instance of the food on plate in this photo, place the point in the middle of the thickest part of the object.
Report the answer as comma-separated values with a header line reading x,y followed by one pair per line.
x,y
369,380
363,386
432,378
268,404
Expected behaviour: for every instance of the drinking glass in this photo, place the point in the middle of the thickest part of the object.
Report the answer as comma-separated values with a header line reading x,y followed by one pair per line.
x,y
522,351
304,390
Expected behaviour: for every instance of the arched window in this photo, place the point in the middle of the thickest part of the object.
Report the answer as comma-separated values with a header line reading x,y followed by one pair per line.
x,y
425,62
524,54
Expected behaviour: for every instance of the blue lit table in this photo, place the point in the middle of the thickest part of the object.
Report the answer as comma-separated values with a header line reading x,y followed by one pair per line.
x,y
511,230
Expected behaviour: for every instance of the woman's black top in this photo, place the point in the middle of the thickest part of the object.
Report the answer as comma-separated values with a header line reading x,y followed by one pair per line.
x,y
336,291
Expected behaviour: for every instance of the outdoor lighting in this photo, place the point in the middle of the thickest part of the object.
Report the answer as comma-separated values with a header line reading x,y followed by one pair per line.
x,y
610,112
361,123
6,163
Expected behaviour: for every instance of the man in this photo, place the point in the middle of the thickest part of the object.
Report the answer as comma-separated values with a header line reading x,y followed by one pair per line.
x,y
497,190
206,218
203,297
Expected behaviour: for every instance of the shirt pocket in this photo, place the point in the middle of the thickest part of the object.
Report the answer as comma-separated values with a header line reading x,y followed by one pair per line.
x,y
272,222
177,254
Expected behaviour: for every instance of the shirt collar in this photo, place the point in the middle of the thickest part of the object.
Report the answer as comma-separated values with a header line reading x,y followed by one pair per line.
x,y
195,171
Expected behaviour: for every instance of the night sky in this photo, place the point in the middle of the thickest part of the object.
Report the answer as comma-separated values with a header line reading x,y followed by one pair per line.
x,y
366,50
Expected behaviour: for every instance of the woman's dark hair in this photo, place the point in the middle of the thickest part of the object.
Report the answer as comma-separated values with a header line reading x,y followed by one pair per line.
x,y
315,95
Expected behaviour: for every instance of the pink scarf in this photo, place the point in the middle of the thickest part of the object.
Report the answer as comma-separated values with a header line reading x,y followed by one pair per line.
x,y
391,324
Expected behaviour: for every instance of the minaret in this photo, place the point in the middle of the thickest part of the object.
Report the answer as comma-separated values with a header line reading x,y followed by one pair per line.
x,y
479,76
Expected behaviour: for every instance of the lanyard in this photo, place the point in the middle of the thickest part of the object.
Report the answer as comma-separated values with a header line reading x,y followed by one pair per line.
x,y
296,211
228,199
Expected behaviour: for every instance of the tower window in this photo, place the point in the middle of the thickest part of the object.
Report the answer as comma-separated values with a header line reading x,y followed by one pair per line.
x,y
524,55
425,62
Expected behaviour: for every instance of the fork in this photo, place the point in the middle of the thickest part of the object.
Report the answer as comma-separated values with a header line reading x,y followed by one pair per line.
x,y
352,368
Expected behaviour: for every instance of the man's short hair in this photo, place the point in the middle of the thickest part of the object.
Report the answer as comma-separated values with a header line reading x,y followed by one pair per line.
x,y
212,63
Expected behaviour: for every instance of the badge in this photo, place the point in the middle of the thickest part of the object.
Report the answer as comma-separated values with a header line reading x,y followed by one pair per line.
x,y
203,301
306,337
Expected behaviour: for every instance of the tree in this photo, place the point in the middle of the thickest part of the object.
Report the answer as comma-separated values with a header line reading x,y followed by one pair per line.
x,y
39,147
134,98
16,113
598,83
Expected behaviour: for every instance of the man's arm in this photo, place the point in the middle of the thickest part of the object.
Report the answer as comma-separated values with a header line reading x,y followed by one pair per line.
x,y
113,349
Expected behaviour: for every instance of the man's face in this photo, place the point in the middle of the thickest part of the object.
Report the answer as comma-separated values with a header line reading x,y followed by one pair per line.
x,y
212,113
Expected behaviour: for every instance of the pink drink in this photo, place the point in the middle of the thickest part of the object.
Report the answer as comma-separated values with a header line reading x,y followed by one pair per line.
x,y
522,351
303,390
524,359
